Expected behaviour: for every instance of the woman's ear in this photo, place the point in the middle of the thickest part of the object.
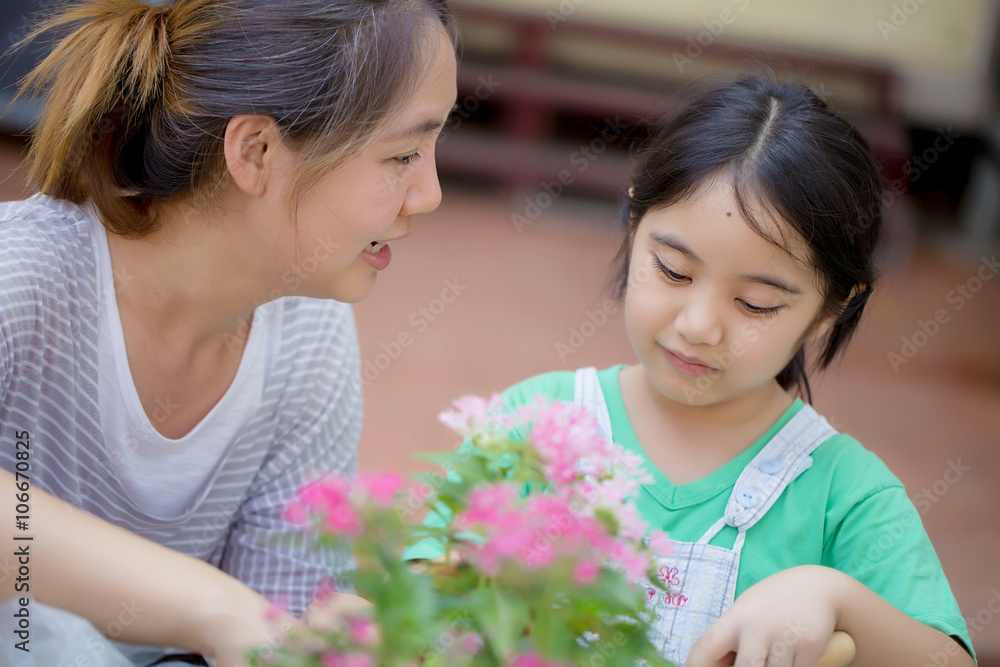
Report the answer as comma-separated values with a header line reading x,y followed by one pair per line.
x,y
249,147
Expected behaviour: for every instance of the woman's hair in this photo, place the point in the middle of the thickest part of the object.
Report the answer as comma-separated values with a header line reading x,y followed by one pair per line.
x,y
139,95
785,152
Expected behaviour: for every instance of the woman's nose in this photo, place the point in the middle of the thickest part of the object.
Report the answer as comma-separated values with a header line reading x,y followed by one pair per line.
x,y
424,194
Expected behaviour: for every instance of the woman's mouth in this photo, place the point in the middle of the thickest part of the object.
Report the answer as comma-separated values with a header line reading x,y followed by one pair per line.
x,y
686,366
377,255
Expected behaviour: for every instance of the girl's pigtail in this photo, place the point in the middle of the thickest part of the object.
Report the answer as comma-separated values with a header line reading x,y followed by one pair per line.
x,y
101,81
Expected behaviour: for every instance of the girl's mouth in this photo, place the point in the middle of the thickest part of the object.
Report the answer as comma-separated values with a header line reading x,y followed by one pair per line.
x,y
692,368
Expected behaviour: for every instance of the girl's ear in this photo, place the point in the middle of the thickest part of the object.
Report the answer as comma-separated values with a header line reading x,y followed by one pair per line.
x,y
826,320
821,327
249,146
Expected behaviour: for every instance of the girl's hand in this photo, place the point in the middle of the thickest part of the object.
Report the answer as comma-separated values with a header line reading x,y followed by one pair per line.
x,y
784,620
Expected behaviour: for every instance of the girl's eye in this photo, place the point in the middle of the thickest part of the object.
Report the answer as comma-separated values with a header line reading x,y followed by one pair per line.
x,y
670,275
759,310
408,159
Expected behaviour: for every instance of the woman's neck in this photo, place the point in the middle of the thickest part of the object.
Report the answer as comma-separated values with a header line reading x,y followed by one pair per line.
x,y
192,283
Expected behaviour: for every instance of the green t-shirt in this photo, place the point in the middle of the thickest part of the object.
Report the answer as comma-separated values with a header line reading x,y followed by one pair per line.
x,y
847,512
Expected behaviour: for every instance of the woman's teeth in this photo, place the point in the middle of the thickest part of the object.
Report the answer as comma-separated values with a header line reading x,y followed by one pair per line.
x,y
375,247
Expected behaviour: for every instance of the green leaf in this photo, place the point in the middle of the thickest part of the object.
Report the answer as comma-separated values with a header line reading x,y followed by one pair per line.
x,y
470,468
502,618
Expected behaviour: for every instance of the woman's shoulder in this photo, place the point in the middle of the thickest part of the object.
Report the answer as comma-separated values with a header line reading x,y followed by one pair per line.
x,y
40,234
48,261
314,334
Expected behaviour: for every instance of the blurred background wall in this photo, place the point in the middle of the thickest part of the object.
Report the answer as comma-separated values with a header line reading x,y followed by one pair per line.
x,y
506,279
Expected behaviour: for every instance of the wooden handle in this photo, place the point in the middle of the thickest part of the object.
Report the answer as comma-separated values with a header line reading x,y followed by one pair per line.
x,y
839,651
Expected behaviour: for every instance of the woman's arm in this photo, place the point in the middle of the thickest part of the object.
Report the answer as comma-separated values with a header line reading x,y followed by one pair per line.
x,y
94,569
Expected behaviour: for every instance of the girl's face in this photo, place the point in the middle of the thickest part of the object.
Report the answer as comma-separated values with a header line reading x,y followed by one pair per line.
x,y
362,205
713,310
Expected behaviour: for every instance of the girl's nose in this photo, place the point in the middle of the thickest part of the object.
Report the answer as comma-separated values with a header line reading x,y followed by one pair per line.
x,y
424,194
699,322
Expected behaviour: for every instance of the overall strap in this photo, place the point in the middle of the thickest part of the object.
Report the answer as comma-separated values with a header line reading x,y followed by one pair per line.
x,y
587,393
783,459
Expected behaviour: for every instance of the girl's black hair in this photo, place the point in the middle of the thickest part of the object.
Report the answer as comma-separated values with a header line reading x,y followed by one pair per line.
x,y
786,151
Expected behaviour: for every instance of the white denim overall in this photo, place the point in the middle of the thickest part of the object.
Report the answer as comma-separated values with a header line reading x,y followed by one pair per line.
x,y
701,578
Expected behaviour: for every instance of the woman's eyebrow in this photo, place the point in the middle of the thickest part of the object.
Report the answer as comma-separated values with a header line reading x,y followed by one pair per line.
x,y
420,128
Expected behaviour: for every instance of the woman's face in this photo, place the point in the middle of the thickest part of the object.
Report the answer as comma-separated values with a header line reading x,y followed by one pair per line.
x,y
365,203
713,310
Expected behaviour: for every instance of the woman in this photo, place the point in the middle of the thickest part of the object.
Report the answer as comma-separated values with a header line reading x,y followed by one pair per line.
x,y
205,165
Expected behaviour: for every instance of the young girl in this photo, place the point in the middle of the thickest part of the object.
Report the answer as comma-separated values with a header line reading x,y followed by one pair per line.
x,y
204,165
752,223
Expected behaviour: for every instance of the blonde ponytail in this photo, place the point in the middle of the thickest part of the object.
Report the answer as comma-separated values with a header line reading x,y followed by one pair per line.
x,y
113,61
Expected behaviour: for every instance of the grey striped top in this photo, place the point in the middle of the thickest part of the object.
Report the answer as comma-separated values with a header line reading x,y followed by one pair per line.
x,y
308,423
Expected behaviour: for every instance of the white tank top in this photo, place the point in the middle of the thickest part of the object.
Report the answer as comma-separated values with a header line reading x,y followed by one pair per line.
x,y
163,476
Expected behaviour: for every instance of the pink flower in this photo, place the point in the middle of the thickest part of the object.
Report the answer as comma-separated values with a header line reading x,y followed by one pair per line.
x,y
488,503
296,513
343,520
325,493
331,659
471,643
277,609
472,414
660,544
363,630
324,589
382,489
586,572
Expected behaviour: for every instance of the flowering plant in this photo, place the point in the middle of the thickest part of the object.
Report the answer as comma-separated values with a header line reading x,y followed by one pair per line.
x,y
544,559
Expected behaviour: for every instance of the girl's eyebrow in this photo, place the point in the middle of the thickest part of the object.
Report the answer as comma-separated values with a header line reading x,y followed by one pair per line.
x,y
771,281
671,241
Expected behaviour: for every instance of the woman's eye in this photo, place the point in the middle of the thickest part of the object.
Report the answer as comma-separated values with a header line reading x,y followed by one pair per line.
x,y
759,310
670,275
408,159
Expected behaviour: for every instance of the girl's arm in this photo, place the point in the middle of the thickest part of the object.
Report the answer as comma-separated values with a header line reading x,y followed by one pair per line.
x,y
886,636
92,568
787,619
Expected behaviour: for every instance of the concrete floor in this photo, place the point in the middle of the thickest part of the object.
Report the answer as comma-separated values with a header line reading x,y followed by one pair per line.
x,y
482,306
